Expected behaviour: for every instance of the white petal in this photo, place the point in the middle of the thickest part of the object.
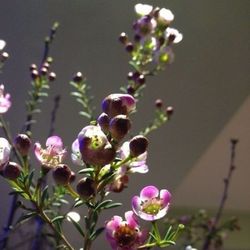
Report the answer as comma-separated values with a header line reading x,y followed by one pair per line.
x,y
2,44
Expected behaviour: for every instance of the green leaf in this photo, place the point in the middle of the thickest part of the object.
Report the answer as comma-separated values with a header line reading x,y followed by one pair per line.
x,y
96,233
112,205
77,94
102,204
31,175
26,217
168,233
77,226
86,170
45,195
57,218
78,203
85,114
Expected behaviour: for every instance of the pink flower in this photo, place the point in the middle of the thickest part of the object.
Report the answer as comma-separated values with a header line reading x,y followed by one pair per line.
x,y
53,154
5,102
152,203
5,149
125,235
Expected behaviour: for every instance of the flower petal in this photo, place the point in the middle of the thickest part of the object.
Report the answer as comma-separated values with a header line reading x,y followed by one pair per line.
x,y
55,142
136,204
2,44
131,219
149,192
165,196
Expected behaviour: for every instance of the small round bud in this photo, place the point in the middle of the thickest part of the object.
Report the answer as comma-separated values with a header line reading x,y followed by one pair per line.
x,y
85,188
49,60
72,177
34,74
129,47
136,75
158,103
103,121
5,56
62,174
141,79
119,127
137,38
33,67
156,12
169,111
123,38
138,145
12,171
22,143
52,76
46,65
78,77
44,71
130,90
130,76
119,184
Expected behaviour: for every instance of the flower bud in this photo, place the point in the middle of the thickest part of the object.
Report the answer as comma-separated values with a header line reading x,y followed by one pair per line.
x,y
118,104
33,67
138,145
95,147
119,184
158,103
72,177
78,77
5,56
103,121
119,127
34,74
22,143
12,171
52,76
85,188
62,174
5,149
44,71
169,111
129,47
123,38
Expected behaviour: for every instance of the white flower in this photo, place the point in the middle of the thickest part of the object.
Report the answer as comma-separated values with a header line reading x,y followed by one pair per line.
x,y
143,9
5,149
174,33
76,156
190,248
166,16
2,44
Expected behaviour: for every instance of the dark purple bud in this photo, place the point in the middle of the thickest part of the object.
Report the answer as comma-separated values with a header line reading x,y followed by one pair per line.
x,y
138,145
137,38
145,25
129,47
141,79
44,71
156,12
12,171
52,76
86,188
169,111
130,90
62,174
117,104
77,77
136,75
123,38
158,103
33,67
72,177
103,121
130,76
5,56
119,127
22,144
34,74
119,184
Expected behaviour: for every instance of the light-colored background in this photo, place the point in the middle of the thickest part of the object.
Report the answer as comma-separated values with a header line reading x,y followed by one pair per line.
x,y
208,85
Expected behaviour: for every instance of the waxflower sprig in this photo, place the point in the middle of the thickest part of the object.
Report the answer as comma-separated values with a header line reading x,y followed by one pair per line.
x,y
151,47
81,94
3,54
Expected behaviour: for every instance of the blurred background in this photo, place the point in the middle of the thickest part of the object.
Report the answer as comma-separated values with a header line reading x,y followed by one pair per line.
x,y
208,86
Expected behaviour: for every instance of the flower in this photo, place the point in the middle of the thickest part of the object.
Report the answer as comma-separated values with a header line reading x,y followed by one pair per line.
x,y
138,164
118,104
125,235
143,9
2,44
173,35
5,102
152,204
165,16
76,154
53,154
5,149
190,248
95,147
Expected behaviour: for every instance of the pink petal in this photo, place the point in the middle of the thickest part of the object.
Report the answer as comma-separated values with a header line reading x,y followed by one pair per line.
x,y
142,169
131,219
136,204
165,196
37,151
55,142
113,224
149,192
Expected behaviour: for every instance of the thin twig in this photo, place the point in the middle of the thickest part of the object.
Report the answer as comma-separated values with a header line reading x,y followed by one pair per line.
x,y
224,197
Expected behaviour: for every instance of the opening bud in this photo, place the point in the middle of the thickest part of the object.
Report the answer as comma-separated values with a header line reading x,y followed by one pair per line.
x,y
12,171
119,127
103,121
138,145
86,188
22,143
62,174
